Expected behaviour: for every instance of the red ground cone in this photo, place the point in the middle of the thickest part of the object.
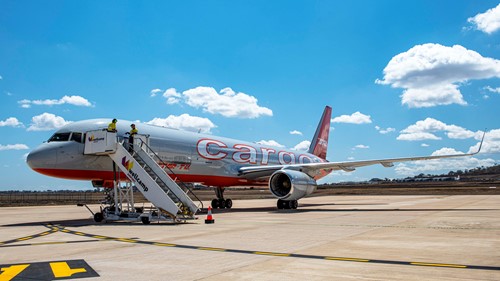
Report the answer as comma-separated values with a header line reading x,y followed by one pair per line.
x,y
209,216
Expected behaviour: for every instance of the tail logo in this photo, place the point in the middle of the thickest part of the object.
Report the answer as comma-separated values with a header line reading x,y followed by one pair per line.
x,y
127,164
91,138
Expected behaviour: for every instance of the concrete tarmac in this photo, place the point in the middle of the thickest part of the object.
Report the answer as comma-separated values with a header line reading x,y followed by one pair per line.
x,y
327,238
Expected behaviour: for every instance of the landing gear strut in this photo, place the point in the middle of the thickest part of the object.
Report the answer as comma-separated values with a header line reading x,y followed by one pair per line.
x,y
292,204
220,202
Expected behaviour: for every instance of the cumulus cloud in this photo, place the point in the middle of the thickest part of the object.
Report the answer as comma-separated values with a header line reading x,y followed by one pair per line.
x,y
442,165
355,118
432,73
493,90
295,132
270,143
360,146
424,145
172,96
487,22
491,142
425,129
17,146
302,146
227,102
184,122
11,122
154,92
384,131
73,100
46,122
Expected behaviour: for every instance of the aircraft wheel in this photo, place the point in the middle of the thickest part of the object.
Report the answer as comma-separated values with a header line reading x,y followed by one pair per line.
x,y
215,203
282,204
229,203
145,220
98,217
222,203
293,204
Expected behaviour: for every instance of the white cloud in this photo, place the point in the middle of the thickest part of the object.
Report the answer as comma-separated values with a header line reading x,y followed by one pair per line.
x,y
491,142
439,166
302,146
12,122
270,143
73,100
384,131
154,92
228,103
184,122
424,145
46,122
355,118
493,90
295,132
487,22
425,129
17,146
361,146
172,96
431,73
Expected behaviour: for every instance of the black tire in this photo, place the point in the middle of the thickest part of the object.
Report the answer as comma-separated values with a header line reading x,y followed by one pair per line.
x,y
145,220
281,204
293,204
229,203
98,217
215,203
222,203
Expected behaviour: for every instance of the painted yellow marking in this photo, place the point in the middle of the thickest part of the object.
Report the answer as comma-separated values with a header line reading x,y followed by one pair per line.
x,y
49,243
211,249
346,259
62,269
44,233
439,264
8,273
272,254
25,238
126,240
100,237
79,233
64,230
164,244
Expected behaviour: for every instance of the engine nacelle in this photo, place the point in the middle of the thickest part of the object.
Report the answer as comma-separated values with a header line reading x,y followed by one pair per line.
x,y
291,184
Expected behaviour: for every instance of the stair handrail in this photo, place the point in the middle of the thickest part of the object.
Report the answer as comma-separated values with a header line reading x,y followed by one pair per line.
x,y
156,156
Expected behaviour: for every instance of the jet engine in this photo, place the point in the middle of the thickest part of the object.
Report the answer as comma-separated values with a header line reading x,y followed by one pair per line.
x,y
291,184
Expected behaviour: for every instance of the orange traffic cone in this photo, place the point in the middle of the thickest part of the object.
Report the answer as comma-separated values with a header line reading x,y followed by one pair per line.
x,y
209,216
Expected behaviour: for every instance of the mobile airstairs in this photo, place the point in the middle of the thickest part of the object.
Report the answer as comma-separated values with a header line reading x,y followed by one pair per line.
x,y
145,170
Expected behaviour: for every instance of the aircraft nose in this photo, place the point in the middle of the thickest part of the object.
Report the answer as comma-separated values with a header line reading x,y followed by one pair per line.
x,y
42,157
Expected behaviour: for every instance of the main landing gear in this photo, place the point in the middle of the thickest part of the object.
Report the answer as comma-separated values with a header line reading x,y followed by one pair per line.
x,y
220,202
292,204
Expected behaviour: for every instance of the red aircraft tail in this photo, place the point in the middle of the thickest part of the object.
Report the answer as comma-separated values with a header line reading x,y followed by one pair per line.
x,y
319,143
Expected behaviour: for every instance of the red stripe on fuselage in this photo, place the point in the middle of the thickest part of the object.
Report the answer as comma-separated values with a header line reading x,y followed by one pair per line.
x,y
109,175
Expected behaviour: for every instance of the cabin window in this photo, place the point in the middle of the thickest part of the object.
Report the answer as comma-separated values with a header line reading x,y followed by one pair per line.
x,y
60,137
76,137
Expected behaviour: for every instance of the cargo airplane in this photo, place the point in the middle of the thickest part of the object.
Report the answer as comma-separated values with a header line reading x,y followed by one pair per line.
x,y
213,161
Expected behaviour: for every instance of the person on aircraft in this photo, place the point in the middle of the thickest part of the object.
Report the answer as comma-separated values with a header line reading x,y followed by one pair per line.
x,y
112,126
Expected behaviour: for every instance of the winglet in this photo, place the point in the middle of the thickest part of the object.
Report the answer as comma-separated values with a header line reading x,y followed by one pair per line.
x,y
319,143
481,144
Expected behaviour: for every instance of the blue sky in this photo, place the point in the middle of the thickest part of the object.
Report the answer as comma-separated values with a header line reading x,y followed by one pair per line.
x,y
404,78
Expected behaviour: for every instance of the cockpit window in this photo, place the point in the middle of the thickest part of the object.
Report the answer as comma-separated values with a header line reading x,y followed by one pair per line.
x,y
76,137
60,137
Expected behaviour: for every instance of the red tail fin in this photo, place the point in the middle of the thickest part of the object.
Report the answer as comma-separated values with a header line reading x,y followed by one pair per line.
x,y
319,143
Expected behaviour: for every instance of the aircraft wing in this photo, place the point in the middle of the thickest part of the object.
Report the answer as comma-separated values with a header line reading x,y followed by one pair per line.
x,y
313,169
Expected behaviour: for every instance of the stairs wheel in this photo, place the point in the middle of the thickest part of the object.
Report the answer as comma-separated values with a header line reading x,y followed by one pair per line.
x,y
145,220
98,217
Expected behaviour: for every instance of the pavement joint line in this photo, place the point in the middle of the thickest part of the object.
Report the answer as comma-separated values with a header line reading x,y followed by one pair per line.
x,y
291,255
